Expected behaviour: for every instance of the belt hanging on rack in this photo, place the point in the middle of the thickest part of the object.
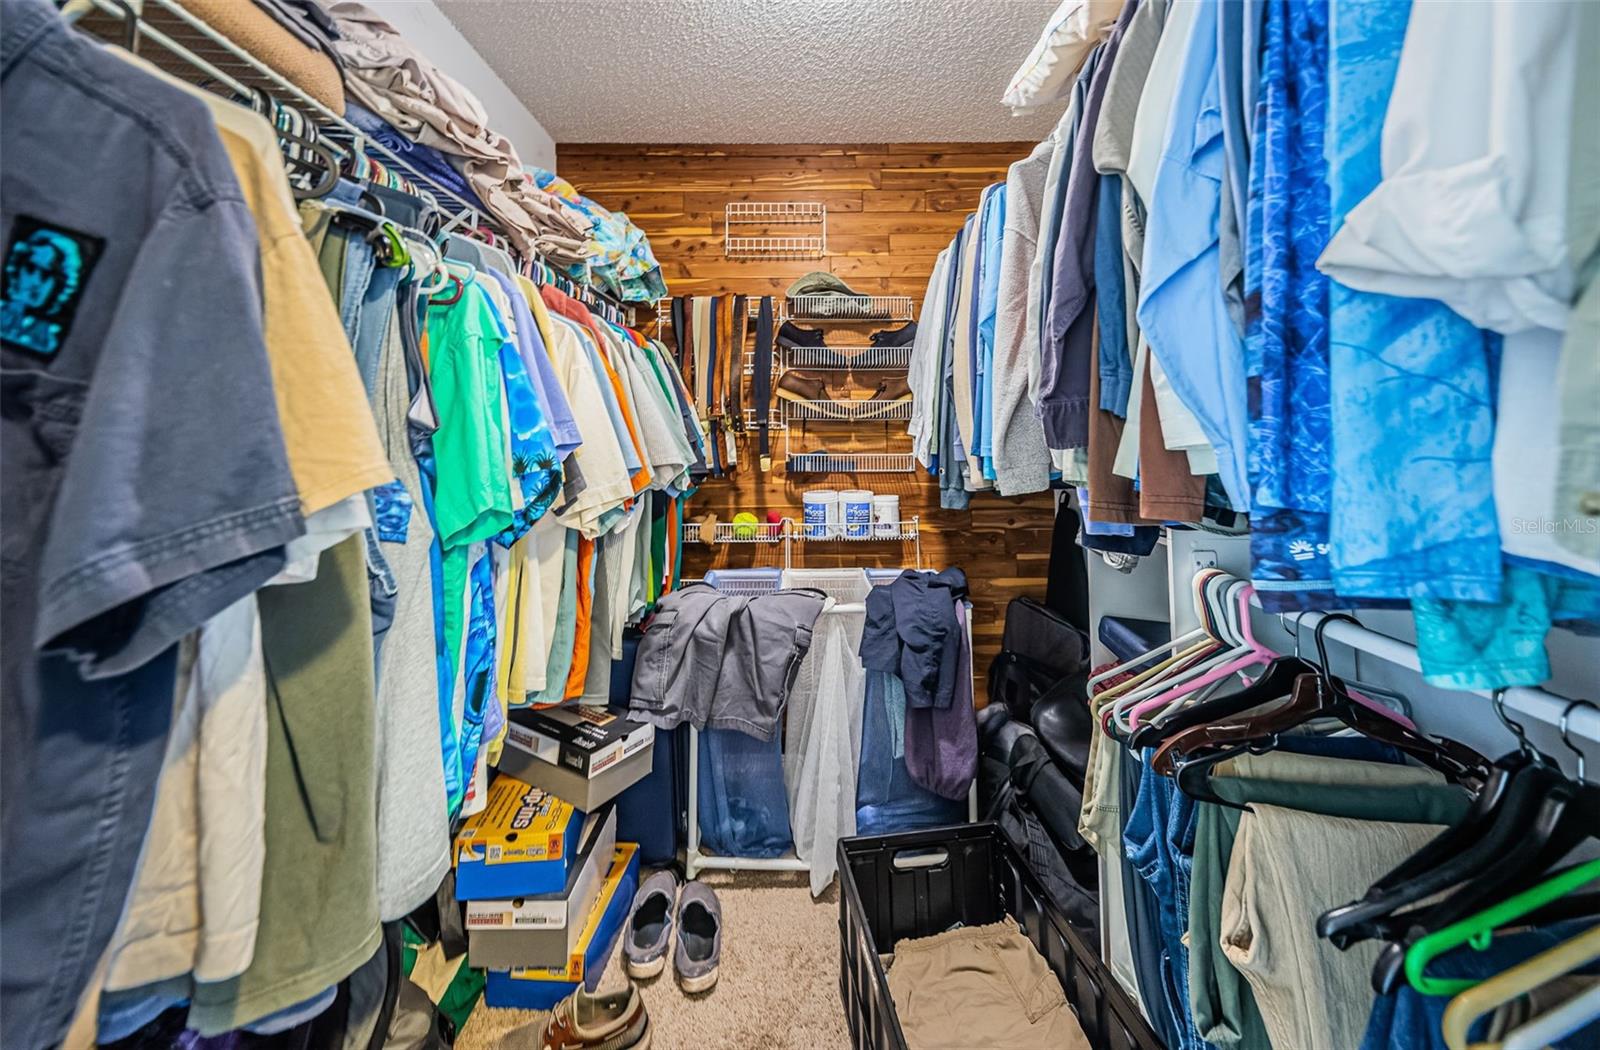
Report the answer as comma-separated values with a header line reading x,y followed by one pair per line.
x,y
761,381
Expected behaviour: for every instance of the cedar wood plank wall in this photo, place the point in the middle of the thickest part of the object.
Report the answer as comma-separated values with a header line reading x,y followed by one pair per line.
x,y
891,208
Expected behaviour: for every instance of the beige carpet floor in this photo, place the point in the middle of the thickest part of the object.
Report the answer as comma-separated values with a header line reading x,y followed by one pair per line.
x,y
779,984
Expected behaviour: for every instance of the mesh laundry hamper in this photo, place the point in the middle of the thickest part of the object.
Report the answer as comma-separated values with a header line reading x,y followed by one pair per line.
x,y
887,799
744,809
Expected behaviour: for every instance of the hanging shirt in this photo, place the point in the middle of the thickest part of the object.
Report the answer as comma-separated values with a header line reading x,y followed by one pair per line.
x,y
924,359
1472,208
1181,310
1412,505
1021,462
573,310
988,300
473,500
602,456
530,344
134,511
1286,334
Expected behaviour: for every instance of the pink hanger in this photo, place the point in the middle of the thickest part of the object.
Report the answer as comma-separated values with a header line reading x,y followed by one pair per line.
x,y
1258,654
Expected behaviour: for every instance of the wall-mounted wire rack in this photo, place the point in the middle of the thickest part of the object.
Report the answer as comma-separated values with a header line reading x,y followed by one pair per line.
x,y
877,531
789,532
861,411
729,532
850,462
742,220
851,308
848,358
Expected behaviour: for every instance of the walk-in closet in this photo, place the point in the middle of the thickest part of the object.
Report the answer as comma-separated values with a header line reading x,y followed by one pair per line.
x,y
759,525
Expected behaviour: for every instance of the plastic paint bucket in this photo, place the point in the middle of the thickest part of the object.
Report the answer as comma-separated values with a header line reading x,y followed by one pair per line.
x,y
857,513
821,507
885,514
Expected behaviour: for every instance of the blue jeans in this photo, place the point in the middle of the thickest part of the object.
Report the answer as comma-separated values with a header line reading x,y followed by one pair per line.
x,y
1159,839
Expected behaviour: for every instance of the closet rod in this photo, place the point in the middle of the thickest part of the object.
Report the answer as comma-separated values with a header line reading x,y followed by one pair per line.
x,y
1536,703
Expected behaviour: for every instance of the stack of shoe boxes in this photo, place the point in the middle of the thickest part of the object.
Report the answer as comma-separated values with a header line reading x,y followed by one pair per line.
x,y
546,888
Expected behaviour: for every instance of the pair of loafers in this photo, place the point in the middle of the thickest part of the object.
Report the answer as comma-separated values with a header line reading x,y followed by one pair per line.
x,y
687,922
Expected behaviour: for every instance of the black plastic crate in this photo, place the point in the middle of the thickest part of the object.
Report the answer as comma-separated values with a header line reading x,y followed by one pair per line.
x,y
921,882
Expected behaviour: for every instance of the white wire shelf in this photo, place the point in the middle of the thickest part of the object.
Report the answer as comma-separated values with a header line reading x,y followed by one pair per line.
x,y
848,358
774,419
803,247
835,532
865,411
750,363
851,307
746,231
851,463
729,532
771,213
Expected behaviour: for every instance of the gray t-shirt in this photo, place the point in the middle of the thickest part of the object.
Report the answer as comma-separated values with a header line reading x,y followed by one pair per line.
x,y
413,815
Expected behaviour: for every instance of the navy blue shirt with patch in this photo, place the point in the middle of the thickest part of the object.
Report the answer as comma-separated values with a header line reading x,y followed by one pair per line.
x,y
146,482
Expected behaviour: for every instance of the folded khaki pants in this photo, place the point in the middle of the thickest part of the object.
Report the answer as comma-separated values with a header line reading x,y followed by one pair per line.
x,y
980,986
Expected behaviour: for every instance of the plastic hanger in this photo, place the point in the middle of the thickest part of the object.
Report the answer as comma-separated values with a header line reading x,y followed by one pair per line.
x,y
457,280
1199,634
1256,654
1477,930
1545,815
1567,1019
1272,684
1313,696
1216,623
1364,919
1471,1004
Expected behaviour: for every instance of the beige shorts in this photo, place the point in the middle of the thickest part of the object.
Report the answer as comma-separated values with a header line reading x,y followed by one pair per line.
x,y
980,986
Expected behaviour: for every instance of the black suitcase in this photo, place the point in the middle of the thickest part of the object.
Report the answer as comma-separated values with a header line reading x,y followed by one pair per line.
x,y
1039,650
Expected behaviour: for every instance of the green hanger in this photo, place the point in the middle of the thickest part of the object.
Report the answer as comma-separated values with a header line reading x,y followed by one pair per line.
x,y
1477,930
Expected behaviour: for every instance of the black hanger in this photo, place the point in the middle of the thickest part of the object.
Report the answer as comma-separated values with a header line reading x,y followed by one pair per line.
x,y
1520,853
1313,696
1273,684
1361,920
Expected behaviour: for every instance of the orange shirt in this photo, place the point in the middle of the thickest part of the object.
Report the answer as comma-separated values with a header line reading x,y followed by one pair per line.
x,y
580,636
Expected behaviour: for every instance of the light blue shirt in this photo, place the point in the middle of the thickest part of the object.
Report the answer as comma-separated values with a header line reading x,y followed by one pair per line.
x,y
994,225
1181,309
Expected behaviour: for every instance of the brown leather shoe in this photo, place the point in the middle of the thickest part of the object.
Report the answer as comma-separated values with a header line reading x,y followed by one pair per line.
x,y
797,386
894,388
598,1022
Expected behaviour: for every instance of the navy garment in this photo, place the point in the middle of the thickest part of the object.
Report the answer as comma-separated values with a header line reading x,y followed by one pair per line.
x,y
1141,543
1412,1021
911,630
1159,839
941,743
1141,908
887,798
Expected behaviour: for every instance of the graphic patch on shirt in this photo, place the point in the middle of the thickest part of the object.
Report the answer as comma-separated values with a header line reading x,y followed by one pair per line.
x,y
46,270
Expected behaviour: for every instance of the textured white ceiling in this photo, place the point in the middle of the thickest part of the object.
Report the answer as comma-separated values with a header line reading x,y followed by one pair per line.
x,y
761,70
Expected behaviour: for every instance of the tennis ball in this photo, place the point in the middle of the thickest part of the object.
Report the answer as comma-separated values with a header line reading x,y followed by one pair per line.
x,y
744,526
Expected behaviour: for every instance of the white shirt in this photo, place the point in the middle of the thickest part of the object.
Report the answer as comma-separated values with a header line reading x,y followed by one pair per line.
x,y
1155,102
1472,209
1527,453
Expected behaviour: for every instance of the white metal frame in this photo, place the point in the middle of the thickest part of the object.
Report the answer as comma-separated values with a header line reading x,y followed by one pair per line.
x,y
695,860
851,308
849,462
